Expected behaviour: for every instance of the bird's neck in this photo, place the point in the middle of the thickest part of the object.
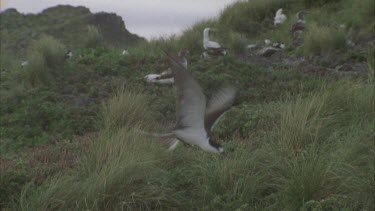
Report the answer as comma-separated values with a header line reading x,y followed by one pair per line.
x,y
206,37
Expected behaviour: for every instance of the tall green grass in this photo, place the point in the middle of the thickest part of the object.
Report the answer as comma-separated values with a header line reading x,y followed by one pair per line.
x,y
46,56
319,155
323,39
120,170
94,38
360,15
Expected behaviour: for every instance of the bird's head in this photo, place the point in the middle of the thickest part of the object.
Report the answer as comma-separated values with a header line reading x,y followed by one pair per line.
x,y
301,15
206,30
215,147
152,77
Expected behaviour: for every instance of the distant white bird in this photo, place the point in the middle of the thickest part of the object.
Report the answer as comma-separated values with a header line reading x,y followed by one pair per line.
x,y
267,42
279,45
125,52
270,48
268,51
24,63
69,55
253,46
166,77
279,17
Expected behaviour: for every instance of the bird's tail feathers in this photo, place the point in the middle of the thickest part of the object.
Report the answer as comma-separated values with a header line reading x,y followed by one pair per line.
x,y
156,135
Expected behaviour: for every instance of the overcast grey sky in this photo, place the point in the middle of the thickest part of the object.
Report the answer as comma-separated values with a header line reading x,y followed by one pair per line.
x,y
148,18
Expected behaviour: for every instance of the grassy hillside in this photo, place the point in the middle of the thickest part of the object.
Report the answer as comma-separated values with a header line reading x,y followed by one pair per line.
x,y
66,23
300,136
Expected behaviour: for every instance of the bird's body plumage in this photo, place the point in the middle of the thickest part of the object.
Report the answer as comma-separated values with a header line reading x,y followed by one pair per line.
x,y
211,47
207,43
279,17
194,119
166,77
300,24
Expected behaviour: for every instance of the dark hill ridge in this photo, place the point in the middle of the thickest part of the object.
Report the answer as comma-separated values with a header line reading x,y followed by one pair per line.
x,y
64,22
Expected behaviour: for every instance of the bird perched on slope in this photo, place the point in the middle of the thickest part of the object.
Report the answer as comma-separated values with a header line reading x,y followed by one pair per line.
x,y
166,77
195,118
299,26
212,47
125,52
24,63
69,54
279,17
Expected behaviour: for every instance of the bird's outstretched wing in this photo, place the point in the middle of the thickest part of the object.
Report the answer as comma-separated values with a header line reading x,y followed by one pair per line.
x,y
191,102
218,105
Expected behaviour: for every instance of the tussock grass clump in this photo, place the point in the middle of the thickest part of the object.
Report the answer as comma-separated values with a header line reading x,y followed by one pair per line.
x,y
37,70
52,51
360,14
125,109
315,3
153,48
311,135
311,121
301,123
46,56
237,42
322,39
120,170
94,38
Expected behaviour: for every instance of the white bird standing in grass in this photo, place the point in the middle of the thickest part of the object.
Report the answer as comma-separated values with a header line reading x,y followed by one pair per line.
x,y
24,63
125,52
196,117
212,47
69,55
267,42
207,43
279,17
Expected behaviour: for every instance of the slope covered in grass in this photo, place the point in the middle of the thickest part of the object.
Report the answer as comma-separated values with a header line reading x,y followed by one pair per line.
x,y
316,155
292,141
65,23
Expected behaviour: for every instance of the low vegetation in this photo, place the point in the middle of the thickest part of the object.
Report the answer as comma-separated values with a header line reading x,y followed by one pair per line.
x,y
70,135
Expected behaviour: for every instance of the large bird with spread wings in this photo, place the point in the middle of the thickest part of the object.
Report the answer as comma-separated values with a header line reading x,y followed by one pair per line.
x,y
196,117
